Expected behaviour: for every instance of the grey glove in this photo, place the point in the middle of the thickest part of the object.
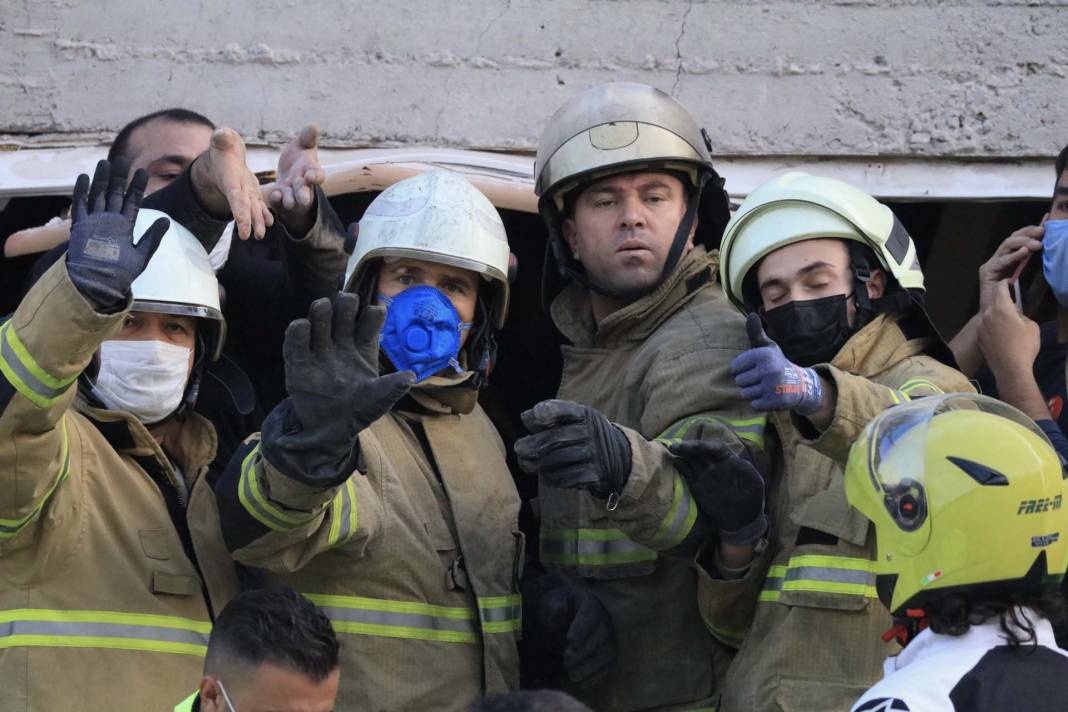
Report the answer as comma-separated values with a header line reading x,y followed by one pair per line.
x,y
574,446
728,490
102,259
335,391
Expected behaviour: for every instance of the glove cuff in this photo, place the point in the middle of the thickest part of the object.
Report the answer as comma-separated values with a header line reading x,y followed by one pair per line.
x,y
747,535
319,457
812,397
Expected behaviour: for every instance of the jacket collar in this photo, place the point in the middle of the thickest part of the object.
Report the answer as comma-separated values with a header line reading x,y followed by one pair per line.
x,y
572,311
877,347
446,395
191,451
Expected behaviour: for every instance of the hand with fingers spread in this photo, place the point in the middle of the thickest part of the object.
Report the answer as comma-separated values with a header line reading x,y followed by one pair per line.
x,y
335,390
573,446
577,628
299,171
770,381
102,259
226,186
728,489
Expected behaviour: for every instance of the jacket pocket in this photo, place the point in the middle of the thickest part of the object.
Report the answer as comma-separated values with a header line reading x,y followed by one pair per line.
x,y
174,584
155,543
794,695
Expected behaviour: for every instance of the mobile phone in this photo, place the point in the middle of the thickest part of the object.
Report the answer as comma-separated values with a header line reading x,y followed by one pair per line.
x,y
1014,280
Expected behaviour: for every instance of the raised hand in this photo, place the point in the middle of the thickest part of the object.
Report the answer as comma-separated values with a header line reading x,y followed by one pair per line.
x,y
728,489
298,170
224,183
770,381
102,259
573,446
335,390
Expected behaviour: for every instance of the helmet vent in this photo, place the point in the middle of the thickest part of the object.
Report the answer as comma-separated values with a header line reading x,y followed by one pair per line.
x,y
982,474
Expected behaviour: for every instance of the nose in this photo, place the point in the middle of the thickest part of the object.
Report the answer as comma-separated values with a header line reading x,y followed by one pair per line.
x,y
633,213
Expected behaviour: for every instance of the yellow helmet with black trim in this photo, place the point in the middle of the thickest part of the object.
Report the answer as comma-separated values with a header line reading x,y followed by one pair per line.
x,y
797,206
964,491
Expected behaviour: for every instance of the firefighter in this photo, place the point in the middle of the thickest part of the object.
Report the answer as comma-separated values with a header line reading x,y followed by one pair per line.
x,y
965,494
378,488
104,576
635,211
833,291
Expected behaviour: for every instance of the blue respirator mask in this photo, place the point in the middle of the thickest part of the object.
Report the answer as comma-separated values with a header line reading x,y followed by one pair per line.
x,y
422,331
1055,259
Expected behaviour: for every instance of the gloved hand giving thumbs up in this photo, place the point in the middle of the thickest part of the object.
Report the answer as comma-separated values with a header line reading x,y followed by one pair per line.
x,y
770,381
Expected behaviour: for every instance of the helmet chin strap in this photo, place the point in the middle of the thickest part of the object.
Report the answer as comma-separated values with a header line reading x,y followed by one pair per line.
x,y
675,253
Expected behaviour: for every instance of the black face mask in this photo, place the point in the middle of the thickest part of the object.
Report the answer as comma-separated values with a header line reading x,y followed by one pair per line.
x,y
811,331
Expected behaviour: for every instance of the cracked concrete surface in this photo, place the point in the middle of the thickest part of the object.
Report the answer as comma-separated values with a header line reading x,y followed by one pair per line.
x,y
912,78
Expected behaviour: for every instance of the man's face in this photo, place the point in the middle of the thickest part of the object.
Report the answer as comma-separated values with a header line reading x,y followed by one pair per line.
x,y
623,227
153,326
270,688
811,269
459,285
165,148
1059,209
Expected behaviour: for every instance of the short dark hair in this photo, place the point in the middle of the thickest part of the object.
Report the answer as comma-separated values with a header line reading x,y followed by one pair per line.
x,y
272,625
1061,164
530,701
121,145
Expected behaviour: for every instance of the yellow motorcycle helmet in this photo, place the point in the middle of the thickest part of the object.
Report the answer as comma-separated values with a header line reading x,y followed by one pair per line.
x,y
965,493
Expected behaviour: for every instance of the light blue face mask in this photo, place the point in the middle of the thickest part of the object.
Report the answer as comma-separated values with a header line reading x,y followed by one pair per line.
x,y
1055,259
422,331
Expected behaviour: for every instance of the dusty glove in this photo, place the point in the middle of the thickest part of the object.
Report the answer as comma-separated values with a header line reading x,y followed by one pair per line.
x,y
770,381
575,627
335,391
102,259
573,446
728,490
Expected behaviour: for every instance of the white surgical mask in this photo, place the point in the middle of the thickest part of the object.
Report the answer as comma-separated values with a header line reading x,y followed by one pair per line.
x,y
144,378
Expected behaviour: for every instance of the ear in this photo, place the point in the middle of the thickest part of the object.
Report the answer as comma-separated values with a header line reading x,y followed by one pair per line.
x,y
877,283
571,237
693,233
211,700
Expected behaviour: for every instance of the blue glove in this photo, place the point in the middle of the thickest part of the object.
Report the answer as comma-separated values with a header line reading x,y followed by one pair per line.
x,y
102,259
770,381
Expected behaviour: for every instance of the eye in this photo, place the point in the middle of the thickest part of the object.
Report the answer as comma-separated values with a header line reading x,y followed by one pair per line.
x,y
603,202
405,279
455,288
129,322
656,199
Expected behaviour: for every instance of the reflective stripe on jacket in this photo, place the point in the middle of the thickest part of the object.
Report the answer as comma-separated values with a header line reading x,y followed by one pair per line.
x,y
100,570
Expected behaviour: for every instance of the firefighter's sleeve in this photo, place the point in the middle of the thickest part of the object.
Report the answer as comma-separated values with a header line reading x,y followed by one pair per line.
x,y
859,400
44,347
317,259
273,521
655,507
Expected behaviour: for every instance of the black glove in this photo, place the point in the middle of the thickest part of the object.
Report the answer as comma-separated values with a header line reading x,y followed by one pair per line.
x,y
102,259
334,391
573,446
577,629
728,490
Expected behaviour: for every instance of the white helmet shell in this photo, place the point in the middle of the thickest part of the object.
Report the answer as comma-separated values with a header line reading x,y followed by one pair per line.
x,y
797,206
436,216
179,279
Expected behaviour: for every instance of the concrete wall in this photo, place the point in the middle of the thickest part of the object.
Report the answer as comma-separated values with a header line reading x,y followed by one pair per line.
x,y
911,78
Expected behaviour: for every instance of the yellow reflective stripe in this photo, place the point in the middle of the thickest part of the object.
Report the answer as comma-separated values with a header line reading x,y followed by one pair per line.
x,y
31,627
186,705
913,384
256,503
749,429
591,547
343,513
821,574
360,615
10,528
23,372
679,521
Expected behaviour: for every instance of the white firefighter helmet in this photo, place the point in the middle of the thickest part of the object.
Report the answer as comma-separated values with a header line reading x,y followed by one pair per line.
x,y
797,206
179,280
436,216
